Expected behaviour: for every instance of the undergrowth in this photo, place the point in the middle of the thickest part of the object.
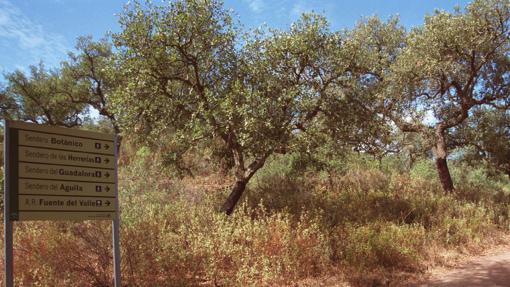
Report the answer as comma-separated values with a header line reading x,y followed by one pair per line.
x,y
292,224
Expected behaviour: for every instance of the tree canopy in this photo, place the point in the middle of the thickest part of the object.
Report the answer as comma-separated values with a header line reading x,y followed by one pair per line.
x,y
185,72
40,97
451,64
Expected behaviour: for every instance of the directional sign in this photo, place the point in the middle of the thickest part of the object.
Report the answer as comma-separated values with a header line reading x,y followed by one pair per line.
x,y
61,142
56,187
64,203
72,173
60,173
44,155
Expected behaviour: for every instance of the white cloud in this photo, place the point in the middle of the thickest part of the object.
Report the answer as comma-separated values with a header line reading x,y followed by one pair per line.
x,y
31,38
256,6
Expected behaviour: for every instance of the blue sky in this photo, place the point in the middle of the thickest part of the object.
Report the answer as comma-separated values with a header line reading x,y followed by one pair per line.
x,y
44,30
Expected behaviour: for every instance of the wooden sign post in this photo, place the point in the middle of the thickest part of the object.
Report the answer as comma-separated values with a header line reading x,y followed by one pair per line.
x,y
54,173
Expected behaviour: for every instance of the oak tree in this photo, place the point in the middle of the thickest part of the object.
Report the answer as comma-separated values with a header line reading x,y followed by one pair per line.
x,y
90,77
39,97
450,65
193,74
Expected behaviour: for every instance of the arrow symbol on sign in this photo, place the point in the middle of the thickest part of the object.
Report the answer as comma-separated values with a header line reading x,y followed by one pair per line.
x,y
107,188
106,160
106,146
107,174
107,203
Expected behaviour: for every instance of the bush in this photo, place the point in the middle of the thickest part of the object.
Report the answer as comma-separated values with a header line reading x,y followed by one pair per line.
x,y
294,223
384,244
263,250
424,170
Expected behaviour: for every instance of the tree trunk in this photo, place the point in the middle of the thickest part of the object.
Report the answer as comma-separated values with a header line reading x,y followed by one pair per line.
x,y
412,160
444,175
440,155
116,129
235,195
243,176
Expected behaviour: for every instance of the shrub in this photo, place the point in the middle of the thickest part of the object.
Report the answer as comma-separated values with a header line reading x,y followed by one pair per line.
x,y
384,244
246,251
293,224
424,170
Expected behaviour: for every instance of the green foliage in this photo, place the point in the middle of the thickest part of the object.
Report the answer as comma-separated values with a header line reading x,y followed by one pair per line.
x,y
309,113
143,152
451,65
458,55
161,49
189,75
485,139
183,75
91,76
8,106
40,97
425,170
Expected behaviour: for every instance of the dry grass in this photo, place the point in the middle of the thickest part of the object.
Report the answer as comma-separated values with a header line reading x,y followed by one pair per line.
x,y
361,228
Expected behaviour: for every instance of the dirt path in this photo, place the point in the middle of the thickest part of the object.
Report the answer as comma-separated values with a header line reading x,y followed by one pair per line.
x,y
490,270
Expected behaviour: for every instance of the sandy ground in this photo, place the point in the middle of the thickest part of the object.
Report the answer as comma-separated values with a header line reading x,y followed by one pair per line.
x,y
489,270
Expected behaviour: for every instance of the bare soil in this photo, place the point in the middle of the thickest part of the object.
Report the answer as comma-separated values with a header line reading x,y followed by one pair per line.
x,y
492,269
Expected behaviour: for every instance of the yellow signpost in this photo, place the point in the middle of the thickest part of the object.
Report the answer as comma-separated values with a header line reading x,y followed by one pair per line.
x,y
55,173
